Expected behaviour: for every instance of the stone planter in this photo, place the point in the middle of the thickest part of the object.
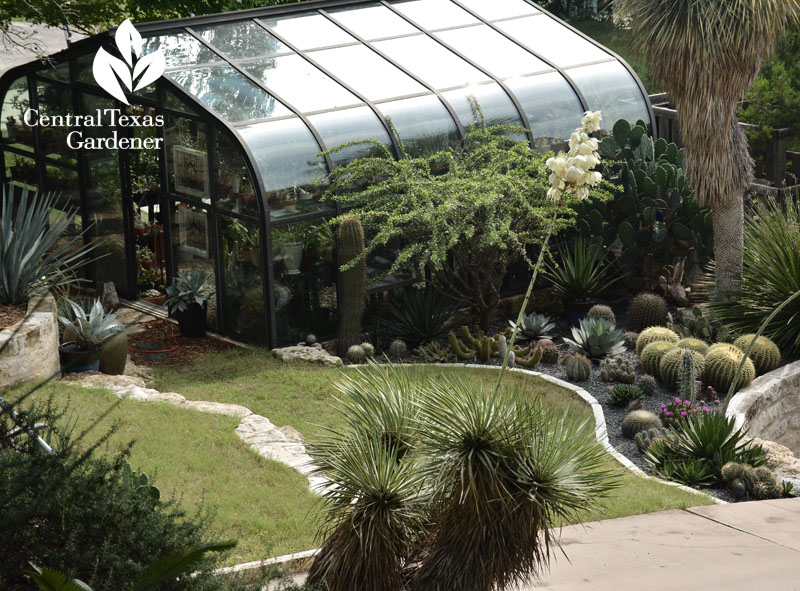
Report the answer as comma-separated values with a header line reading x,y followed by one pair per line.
x,y
30,351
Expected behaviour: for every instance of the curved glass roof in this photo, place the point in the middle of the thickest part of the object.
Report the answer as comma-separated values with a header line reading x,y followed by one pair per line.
x,y
309,77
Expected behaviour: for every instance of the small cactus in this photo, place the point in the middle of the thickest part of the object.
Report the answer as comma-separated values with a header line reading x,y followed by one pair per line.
x,y
398,349
433,352
746,481
639,420
651,355
369,350
644,439
459,349
549,354
688,382
356,354
651,335
721,365
646,310
578,368
629,338
670,367
601,311
617,369
693,344
647,384
765,354
531,361
624,394
311,340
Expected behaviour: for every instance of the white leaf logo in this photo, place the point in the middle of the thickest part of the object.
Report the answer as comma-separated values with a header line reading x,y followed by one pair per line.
x,y
111,73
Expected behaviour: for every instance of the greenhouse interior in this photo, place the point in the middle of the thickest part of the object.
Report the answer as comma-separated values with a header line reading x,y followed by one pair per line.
x,y
217,165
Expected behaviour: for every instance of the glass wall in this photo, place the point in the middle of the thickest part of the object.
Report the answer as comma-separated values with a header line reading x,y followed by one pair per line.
x,y
242,277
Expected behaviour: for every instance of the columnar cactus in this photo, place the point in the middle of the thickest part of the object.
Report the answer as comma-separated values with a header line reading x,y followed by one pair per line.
x,y
721,365
650,358
639,420
461,351
646,310
656,333
531,361
578,368
688,381
353,283
601,311
693,344
670,367
765,354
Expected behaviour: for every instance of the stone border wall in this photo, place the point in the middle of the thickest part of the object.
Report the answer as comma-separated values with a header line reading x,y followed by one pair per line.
x,y
30,349
770,407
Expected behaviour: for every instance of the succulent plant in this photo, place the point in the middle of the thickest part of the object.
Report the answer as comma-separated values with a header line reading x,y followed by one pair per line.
x,y
311,340
647,384
639,420
670,367
624,394
629,338
94,328
369,350
398,349
646,310
353,294
536,355
688,380
356,354
644,439
601,311
650,358
549,354
721,365
534,326
596,338
693,344
700,325
433,352
578,368
749,482
651,335
765,353
617,369
459,349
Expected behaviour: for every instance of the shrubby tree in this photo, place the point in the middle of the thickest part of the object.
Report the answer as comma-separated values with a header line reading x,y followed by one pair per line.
x,y
465,213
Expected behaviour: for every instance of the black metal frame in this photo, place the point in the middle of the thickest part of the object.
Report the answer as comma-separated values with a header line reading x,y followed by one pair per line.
x,y
215,124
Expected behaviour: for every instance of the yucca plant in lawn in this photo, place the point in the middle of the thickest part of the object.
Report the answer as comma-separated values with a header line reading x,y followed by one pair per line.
x,y
33,253
460,496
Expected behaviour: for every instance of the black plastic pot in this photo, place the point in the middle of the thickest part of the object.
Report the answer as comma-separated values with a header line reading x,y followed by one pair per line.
x,y
76,360
192,321
576,311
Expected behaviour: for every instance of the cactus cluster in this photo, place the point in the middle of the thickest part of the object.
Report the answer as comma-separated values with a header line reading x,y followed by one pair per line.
x,y
721,364
651,355
639,420
353,292
651,335
765,354
629,338
398,349
601,311
647,384
433,352
617,369
749,482
670,367
644,439
356,354
646,310
485,347
624,394
693,344
578,368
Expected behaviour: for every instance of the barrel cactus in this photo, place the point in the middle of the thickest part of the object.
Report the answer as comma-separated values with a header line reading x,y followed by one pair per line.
x,y
647,384
765,354
369,350
549,354
398,349
639,420
669,369
578,368
721,365
693,344
652,354
646,310
629,338
356,354
601,311
653,334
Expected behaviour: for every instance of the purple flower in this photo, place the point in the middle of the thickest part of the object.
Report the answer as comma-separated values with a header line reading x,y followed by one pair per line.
x,y
659,216
683,413
687,402
663,405
705,408
677,400
666,412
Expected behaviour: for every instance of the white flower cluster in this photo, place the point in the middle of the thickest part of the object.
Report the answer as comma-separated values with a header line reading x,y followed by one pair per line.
x,y
572,172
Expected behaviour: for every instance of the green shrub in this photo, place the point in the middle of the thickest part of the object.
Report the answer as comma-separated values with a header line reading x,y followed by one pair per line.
x,y
596,338
765,354
653,334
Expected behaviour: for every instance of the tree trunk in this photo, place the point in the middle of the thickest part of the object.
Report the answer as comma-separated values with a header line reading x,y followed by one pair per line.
x,y
728,247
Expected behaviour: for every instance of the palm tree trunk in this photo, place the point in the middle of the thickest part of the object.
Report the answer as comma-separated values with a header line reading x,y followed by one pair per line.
x,y
728,247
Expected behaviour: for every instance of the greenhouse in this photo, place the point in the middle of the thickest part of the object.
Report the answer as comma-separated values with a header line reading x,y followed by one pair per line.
x,y
213,165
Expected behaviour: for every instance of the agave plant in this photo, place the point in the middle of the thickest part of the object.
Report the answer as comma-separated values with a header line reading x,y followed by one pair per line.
x,y
582,273
419,316
596,338
534,326
33,255
187,289
93,328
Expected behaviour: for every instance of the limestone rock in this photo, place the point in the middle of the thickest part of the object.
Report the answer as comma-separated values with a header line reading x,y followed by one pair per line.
x,y
312,354
781,461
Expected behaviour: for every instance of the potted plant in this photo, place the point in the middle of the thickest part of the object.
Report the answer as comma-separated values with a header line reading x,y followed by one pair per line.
x,y
187,300
146,258
85,335
288,241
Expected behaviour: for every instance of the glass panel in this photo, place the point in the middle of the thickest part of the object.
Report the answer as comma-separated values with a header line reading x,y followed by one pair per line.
x,y
339,127
611,89
493,102
300,84
193,247
230,94
64,182
304,290
366,72
552,40
242,287
54,100
173,102
286,154
372,22
430,61
499,8
235,190
104,203
242,39
56,71
489,49
21,170
435,14
187,158
15,104
308,31
83,69
552,107
423,124
179,49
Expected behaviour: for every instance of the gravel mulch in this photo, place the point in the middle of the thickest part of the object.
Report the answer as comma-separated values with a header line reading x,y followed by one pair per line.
x,y
11,314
